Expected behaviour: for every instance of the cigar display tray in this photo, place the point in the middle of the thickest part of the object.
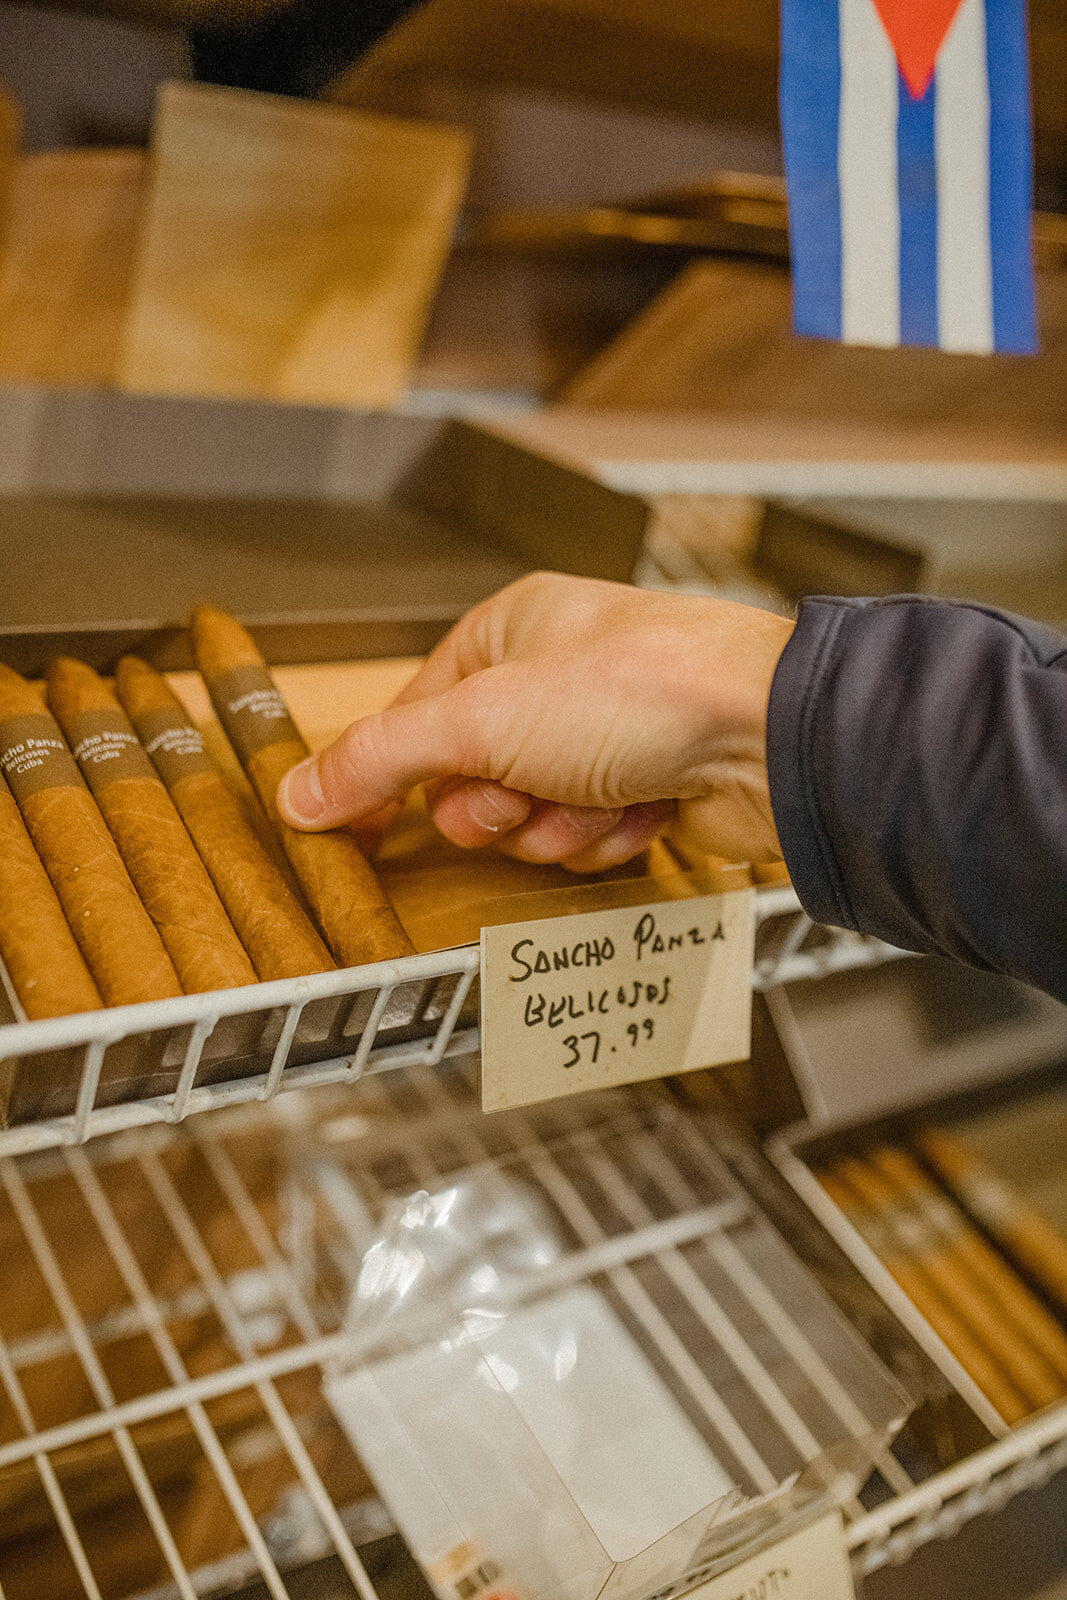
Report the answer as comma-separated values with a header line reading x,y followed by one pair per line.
x,y
789,1405
201,1391
183,1400
940,1042
68,1079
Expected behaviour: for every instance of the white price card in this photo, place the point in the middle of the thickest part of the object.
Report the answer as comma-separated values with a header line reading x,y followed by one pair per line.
x,y
612,997
810,1565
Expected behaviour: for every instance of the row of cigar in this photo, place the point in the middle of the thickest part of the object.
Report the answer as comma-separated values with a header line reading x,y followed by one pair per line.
x,y
983,1266
129,871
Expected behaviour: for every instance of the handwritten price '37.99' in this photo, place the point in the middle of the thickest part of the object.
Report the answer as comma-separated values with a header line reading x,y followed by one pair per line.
x,y
638,1034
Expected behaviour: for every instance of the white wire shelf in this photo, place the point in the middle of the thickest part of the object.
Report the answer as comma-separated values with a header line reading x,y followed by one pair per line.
x,y
75,1078
1030,1456
176,1299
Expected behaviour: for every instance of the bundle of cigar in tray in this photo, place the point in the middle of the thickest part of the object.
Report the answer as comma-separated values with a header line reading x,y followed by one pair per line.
x,y
142,857
985,1268
129,871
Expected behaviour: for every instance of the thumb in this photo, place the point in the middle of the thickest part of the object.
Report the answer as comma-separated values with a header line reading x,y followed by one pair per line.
x,y
379,759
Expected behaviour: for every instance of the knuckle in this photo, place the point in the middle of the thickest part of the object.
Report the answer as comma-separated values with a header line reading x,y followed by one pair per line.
x,y
348,761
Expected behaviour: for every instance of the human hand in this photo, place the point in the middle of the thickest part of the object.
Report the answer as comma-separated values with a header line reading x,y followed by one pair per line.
x,y
567,720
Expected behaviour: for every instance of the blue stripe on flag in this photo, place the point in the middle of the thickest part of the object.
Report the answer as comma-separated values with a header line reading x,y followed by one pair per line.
x,y
810,100
1010,176
917,183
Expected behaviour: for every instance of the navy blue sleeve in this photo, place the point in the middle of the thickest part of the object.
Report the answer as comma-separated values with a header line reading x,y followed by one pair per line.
x,y
917,753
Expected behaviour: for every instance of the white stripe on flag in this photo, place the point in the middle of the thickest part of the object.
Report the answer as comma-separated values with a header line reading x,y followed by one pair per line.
x,y
867,172
964,256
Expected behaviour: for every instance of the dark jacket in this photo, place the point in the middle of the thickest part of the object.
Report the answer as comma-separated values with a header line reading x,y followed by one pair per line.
x,y
917,752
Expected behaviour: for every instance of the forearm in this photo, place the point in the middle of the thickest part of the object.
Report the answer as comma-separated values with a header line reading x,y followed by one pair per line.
x,y
917,754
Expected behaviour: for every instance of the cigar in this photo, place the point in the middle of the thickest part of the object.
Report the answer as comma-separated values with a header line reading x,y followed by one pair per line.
x,y
46,968
357,920
1001,1210
769,872
973,1356
269,920
1027,1372
113,930
159,855
1023,1318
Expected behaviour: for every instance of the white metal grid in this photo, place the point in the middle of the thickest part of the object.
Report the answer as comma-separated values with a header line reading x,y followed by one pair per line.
x,y
181,1286
229,1328
431,994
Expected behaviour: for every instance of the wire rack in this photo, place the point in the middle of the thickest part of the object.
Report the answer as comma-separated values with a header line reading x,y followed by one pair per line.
x,y
75,1078
179,1296
176,1298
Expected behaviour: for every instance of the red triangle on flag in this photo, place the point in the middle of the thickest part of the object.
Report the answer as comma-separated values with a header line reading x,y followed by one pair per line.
x,y
917,30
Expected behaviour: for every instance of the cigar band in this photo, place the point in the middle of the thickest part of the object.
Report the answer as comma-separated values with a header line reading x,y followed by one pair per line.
x,y
990,1200
106,748
175,747
910,1229
34,756
944,1216
252,712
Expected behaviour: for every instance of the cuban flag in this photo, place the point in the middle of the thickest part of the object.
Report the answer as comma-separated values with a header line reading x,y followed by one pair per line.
x,y
906,126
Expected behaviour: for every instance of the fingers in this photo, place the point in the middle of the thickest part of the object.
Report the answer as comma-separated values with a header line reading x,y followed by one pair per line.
x,y
378,759
477,813
582,838
369,830
555,833
466,648
639,825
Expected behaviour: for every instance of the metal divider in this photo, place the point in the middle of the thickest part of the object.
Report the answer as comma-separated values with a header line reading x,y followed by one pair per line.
x,y
799,950
177,1214
94,1372
605,1178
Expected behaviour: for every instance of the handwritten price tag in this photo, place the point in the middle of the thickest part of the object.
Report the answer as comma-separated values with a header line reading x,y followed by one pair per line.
x,y
612,997
810,1565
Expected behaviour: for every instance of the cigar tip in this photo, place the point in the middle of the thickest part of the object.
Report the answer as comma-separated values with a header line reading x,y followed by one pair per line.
x,y
220,641
141,688
68,667
17,694
129,668
208,616
74,687
67,675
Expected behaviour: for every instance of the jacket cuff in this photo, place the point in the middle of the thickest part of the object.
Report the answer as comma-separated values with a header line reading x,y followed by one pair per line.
x,y
792,738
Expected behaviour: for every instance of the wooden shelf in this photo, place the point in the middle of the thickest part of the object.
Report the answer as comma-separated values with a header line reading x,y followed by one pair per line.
x,y
651,454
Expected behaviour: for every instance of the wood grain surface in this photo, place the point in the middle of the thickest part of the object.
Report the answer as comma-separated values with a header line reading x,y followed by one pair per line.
x,y
290,250
67,264
720,339
10,121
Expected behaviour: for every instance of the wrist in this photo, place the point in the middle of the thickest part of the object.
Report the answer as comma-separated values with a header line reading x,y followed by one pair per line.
x,y
730,813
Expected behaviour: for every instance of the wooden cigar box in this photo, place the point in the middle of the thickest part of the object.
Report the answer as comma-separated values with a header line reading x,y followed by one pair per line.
x,y
287,250
939,1042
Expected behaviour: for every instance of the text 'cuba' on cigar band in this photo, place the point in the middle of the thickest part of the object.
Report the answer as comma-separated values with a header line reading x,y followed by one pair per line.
x,y
252,712
34,756
811,1564
174,746
611,997
107,749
